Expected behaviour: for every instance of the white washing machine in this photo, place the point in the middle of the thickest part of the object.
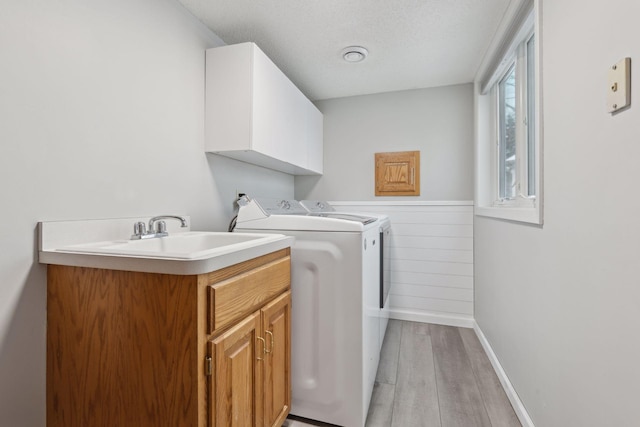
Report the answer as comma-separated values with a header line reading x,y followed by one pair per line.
x,y
384,281
335,316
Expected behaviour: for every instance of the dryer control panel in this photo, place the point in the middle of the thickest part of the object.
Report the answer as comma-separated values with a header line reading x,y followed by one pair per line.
x,y
281,207
317,206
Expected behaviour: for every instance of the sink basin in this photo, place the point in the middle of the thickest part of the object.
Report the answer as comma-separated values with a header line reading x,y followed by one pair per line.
x,y
188,246
104,244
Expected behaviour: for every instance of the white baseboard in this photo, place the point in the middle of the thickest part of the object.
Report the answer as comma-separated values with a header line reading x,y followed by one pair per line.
x,y
518,407
460,321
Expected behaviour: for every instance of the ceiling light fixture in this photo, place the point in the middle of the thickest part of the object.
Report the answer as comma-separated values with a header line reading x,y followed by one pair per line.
x,y
354,53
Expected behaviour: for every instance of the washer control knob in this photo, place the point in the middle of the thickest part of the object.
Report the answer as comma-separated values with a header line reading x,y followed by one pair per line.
x,y
284,204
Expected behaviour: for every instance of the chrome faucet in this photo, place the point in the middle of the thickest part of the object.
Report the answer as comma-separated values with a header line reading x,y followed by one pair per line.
x,y
157,227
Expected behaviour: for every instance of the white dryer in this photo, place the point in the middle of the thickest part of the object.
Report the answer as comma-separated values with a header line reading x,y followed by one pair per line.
x,y
335,316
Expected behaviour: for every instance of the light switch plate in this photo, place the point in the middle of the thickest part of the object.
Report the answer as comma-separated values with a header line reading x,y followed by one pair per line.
x,y
619,86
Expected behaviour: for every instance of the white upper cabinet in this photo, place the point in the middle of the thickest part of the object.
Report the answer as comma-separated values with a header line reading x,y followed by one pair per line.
x,y
254,113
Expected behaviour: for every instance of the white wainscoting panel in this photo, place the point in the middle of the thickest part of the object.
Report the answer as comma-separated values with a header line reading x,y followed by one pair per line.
x,y
431,259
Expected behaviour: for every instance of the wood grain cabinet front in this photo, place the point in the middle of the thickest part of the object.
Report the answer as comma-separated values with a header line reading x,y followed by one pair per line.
x,y
251,369
276,323
398,174
137,349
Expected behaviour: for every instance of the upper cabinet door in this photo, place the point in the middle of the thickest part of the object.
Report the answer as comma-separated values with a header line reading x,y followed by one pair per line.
x,y
229,97
254,113
277,108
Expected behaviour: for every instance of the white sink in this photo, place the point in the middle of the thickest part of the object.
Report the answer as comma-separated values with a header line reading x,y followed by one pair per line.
x,y
104,244
189,245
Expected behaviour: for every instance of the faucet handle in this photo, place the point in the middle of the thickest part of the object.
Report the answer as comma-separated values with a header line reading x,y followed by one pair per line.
x,y
139,230
161,227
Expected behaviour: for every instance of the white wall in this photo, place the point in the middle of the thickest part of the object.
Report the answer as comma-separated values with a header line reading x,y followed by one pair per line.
x,y
101,112
560,304
436,121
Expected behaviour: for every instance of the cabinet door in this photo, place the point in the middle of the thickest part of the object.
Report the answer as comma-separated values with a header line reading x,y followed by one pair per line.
x,y
277,126
276,320
228,91
236,380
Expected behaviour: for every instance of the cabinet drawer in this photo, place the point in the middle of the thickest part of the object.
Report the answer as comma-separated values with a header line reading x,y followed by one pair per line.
x,y
235,298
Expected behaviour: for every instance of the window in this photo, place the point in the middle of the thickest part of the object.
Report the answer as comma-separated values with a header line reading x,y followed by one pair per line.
x,y
508,178
531,117
515,136
507,135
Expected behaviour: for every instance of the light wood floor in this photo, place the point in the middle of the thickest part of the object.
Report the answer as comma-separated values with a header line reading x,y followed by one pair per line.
x,y
435,376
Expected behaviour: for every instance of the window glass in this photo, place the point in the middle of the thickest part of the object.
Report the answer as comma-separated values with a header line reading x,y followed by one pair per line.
x,y
507,134
531,118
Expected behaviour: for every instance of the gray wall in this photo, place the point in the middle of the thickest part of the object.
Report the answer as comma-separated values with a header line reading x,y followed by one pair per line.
x,y
560,304
101,111
436,121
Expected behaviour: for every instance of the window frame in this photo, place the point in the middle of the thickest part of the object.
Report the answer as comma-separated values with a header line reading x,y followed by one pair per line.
x,y
500,137
516,36
520,62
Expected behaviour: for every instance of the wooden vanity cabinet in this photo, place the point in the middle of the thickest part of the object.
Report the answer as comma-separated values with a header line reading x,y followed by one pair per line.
x,y
144,349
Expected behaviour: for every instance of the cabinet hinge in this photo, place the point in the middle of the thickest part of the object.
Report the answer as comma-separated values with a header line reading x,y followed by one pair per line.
x,y
208,366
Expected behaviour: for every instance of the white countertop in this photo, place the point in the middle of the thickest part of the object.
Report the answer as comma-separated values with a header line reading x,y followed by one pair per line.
x,y
57,235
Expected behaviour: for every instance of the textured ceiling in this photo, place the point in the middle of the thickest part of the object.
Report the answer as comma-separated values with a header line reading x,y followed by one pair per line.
x,y
412,43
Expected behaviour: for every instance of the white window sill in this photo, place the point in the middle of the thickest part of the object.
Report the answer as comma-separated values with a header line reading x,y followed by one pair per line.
x,y
530,215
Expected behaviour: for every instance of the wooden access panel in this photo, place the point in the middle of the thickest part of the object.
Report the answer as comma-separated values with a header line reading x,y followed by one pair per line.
x,y
398,174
